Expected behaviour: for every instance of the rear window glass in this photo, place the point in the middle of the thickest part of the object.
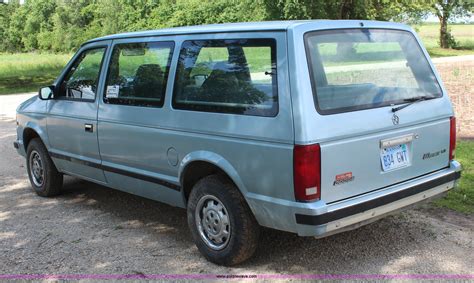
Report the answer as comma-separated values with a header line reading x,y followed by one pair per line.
x,y
357,69
227,76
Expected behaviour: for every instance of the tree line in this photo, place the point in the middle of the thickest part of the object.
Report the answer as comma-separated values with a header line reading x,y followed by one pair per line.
x,y
63,25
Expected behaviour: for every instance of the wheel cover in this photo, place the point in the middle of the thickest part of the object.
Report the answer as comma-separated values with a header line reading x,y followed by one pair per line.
x,y
36,168
213,223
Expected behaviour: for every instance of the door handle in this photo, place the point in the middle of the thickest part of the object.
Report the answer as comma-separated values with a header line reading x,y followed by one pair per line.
x,y
89,128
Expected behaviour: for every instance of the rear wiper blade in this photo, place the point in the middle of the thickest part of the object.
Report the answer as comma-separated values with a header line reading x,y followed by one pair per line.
x,y
411,101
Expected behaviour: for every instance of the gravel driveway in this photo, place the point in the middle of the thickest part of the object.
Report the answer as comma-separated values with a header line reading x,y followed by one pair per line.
x,y
91,229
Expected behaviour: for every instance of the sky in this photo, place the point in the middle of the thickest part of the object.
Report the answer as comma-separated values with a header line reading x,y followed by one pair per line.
x,y
6,1
432,18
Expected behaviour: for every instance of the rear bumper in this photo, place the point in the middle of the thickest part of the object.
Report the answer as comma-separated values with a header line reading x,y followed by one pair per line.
x,y
321,220
377,203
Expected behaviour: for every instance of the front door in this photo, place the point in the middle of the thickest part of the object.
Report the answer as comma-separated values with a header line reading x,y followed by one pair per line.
x,y
72,119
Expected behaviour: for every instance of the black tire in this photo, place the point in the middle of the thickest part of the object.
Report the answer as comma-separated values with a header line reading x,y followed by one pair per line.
x,y
244,229
51,180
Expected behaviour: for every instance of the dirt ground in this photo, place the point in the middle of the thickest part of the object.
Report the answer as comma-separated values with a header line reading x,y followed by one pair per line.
x,y
90,229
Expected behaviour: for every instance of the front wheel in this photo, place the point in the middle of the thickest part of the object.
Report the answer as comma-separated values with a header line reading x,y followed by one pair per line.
x,y
44,177
222,225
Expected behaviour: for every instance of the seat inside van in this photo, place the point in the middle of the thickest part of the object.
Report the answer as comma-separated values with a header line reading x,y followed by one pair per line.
x,y
224,78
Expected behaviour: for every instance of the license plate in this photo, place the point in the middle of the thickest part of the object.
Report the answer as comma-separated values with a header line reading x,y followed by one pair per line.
x,y
394,157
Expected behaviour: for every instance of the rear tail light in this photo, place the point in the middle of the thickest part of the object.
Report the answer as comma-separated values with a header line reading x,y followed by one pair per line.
x,y
307,172
452,138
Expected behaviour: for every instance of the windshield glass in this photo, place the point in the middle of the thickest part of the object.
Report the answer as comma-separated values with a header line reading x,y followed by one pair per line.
x,y
357,69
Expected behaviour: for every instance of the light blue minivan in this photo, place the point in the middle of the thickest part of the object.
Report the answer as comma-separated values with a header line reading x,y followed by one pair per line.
x,y
310,127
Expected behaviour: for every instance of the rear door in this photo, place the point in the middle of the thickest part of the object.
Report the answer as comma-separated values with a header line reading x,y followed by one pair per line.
x,y
72,119
361,164
381,117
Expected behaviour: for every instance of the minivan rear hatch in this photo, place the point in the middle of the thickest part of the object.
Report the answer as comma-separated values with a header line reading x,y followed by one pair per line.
x,y
387,121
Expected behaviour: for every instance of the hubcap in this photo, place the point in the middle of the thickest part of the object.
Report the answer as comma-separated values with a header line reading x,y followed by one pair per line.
x,y
213,222
36,168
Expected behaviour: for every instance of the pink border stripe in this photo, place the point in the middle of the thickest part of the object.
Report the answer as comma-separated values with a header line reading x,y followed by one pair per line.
x,y
106,276
367,276
234,276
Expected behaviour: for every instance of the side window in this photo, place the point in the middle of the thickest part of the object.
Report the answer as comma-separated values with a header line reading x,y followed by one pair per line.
x,y
82,80
138,73
227,76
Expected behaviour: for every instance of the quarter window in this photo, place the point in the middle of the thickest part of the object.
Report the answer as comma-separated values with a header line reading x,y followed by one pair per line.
x,y
81,81
138,73
227,76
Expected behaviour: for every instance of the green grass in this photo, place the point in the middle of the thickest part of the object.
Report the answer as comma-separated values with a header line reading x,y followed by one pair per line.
x,y
26,72
463,34
462,198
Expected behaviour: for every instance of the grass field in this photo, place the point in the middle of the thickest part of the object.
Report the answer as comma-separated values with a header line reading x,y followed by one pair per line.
x,y
463,34
462,198
26,72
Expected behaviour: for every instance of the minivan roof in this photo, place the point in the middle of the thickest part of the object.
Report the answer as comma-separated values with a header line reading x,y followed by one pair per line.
x,y
241,27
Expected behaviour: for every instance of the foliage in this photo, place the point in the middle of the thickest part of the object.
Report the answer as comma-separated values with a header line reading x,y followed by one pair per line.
x,y
383,10
63,25
449,39
11,27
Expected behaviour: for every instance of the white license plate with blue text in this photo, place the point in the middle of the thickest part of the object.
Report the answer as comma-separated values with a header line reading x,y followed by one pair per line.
x,y
394,157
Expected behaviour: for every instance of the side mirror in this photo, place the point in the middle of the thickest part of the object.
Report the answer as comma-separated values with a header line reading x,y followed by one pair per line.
x,y
46,93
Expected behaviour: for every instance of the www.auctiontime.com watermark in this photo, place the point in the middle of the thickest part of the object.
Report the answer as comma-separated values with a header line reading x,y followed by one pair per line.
x,y
238,276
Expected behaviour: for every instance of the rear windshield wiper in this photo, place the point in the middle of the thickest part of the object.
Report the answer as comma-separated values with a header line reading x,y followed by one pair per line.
x,y
410,102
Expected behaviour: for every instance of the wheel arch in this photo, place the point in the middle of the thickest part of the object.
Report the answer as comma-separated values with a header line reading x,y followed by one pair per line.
x,y
31,131
199,164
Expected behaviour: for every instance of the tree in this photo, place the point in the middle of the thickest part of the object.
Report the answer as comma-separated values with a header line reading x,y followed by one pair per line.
x,y
72,25
63,25
446,10
37,20
382,10
14,31
6,12
172,13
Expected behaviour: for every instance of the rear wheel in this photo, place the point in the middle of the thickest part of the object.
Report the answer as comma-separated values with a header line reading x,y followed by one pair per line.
x,y
44,177
222,225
